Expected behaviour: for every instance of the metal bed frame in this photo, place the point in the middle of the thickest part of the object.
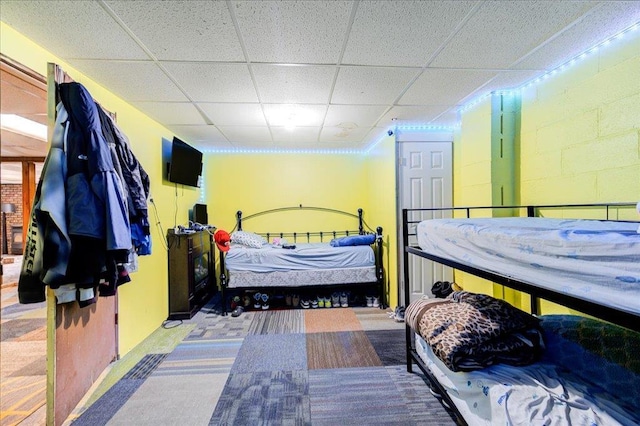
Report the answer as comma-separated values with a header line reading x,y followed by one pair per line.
x,y
363,228
628,320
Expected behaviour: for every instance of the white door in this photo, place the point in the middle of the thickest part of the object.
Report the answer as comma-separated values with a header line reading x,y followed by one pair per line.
x,y
425,181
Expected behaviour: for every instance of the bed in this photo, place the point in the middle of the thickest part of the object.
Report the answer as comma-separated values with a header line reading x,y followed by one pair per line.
x,y
304,262
588,370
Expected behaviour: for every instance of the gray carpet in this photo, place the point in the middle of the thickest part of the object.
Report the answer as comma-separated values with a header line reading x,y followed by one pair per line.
x,y
257,369
109,403
389,345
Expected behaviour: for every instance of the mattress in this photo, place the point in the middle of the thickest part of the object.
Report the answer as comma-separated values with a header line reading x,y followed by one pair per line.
x,y
309,264
547,392
588,259
308,256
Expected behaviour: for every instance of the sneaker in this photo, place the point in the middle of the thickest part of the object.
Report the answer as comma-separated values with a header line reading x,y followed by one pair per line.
x,y
314,303
344,300
287,300
320,302
237,311
305,304
369,301
257,304
265,301
399,314
335,300
235,302
375,302
295,301
327,302
246,301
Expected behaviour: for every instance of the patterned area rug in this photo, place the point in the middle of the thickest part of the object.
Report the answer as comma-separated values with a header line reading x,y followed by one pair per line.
x,y
280,367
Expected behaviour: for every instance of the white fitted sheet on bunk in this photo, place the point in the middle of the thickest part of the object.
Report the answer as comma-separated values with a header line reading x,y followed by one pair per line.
x,y
588,259
536,394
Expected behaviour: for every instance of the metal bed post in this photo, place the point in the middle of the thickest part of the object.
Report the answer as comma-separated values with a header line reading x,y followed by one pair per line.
x,y
223,283
407,296
239,220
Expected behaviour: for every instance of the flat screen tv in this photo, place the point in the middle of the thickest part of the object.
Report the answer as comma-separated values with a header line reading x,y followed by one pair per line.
x,y
185,165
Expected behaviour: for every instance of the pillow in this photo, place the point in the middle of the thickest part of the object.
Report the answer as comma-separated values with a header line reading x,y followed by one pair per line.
x,y
354,240
248,239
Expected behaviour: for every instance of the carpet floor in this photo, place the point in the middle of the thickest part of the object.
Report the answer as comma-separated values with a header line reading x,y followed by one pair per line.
x,y
23,354
338,366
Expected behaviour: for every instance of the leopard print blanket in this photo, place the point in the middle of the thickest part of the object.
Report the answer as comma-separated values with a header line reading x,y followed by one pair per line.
x,y
469,331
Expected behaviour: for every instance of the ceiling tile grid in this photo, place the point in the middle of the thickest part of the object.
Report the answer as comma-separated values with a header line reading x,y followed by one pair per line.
x,y
236,74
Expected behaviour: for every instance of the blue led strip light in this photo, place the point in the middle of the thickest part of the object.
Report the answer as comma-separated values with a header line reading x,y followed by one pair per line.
x,y
587,53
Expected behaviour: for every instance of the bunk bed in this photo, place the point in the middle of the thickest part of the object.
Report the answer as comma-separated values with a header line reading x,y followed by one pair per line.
x,y
303,262
587,370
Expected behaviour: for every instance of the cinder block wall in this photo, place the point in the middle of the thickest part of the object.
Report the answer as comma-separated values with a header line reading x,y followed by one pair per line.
x,y
581,130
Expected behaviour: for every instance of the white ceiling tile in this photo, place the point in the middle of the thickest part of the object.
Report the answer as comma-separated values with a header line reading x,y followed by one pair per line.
x,y
360,116
293,31
294,84
201,137
505,80
603,22
214,82
234,114
443,87
82,29
500,32
170,113
402,33
296,135
343,134
412,114
292,54
296,114
182,30
368,85
132,81
252,135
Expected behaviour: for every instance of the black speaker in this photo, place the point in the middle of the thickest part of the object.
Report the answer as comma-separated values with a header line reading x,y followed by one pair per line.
x,y
200,214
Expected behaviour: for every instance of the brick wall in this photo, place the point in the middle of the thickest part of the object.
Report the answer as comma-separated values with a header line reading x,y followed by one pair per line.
x,y
12,193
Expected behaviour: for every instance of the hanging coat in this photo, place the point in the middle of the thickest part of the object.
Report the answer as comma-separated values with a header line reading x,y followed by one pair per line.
x,y
97,212
48,246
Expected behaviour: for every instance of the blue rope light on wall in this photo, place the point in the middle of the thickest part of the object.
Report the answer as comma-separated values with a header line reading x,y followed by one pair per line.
x,y
560,68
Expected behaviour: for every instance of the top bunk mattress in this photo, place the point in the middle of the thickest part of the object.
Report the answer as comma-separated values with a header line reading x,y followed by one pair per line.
x,y
588,259
308,256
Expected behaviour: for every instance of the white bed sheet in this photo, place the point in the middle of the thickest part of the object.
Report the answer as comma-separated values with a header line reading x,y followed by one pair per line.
x,y
533,395
588,259
304,257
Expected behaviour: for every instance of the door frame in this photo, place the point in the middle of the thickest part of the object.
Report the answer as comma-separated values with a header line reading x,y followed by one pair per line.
x,y
403,136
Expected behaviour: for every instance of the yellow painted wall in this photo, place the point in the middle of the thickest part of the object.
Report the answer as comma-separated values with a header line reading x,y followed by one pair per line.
x,y
143,302
262,181
381,178
472,173
581,130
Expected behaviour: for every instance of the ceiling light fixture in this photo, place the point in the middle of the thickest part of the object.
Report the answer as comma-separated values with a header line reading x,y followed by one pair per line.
x,y
289,116
17,124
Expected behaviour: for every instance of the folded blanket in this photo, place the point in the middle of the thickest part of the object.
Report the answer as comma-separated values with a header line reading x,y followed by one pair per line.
x,y
470,331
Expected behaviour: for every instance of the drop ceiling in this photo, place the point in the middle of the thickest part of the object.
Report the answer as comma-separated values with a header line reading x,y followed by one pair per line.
x,y
216,73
